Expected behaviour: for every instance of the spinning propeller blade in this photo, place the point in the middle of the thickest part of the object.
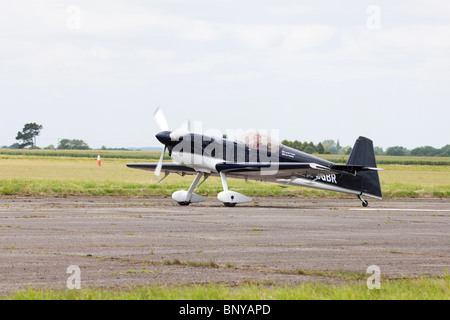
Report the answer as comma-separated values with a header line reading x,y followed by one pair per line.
x,y
163,126
182,130
159,165
161,120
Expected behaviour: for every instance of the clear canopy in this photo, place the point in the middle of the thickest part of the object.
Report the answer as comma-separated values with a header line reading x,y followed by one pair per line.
x,y
258,140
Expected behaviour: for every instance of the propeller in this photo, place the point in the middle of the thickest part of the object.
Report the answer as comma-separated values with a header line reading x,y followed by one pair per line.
x,y
161,121
163,126
182,130
159,165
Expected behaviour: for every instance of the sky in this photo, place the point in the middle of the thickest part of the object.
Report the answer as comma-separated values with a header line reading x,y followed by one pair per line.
x,y
97,70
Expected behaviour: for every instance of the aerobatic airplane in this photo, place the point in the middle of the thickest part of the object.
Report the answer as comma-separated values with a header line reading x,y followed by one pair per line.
x,y
259,157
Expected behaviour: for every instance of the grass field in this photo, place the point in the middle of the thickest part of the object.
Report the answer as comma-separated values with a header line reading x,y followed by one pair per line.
x,y
425,288
73,173
154,155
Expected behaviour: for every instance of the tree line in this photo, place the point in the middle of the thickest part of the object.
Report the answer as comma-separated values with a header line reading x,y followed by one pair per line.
x,y
324,147
426,151
332,147
27,138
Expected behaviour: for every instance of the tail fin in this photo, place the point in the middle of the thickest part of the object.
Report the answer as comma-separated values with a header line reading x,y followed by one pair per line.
x,y
363,154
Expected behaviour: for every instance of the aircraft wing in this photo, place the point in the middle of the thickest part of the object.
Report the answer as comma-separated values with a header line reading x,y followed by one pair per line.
x,y
287,169
171,167
260,171
267,171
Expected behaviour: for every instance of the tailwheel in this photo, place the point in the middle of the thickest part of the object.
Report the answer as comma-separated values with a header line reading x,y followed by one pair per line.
x,y
229,204
184,203
364,202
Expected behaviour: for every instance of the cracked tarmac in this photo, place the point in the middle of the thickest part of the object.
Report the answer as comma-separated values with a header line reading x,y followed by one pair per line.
x,y
119,242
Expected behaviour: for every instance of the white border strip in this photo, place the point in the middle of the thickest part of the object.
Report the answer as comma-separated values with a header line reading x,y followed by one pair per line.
x,y
396,209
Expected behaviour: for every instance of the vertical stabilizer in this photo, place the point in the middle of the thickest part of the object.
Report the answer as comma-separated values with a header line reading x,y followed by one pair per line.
x,y
364,155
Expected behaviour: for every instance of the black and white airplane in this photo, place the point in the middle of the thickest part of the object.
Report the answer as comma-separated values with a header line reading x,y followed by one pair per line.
x,y
259,157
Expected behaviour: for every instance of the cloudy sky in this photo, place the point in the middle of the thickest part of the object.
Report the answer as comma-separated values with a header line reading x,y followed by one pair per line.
x,y
313,70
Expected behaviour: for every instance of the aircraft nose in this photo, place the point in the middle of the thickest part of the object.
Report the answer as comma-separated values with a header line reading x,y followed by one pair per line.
x,y
163,137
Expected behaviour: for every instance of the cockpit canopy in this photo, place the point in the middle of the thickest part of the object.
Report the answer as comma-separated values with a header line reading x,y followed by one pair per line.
x,y
258,140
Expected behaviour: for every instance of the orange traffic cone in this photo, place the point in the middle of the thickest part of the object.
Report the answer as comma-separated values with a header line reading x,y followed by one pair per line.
x,y
99,161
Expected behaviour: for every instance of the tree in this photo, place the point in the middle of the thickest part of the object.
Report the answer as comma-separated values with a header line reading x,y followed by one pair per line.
x,y
349,150
445,151
378,151
397,151
28,135
309,149
303,146
330,145
425,151
66,144
345,150
79,145
319,148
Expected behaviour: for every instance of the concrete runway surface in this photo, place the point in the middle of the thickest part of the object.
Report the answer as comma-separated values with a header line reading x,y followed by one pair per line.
x,y
121,242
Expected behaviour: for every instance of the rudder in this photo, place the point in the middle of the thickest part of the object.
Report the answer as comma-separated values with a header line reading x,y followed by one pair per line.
x,y
363,155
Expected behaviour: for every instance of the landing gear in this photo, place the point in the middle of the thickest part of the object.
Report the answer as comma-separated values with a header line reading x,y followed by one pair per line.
x,y
184,198
230,198
229,204
227,197
364,202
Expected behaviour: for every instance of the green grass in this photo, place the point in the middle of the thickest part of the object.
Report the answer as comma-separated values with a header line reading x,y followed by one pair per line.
x,y
105,154
403,289
63,175
154,155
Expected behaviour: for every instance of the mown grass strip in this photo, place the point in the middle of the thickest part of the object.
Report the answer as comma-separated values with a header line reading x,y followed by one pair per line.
x,y
154,155
40,176
424,288
106,154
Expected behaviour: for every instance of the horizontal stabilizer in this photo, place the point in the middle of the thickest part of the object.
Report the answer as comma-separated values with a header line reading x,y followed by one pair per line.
x,y
353,169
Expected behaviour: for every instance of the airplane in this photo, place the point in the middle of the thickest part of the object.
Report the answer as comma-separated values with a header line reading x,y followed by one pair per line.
x,y
259,157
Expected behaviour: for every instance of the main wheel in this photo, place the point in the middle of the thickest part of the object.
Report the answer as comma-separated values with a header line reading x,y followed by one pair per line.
x,y
184,203
229,204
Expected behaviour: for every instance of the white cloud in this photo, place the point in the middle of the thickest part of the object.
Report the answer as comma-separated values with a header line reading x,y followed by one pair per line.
x,y
199,65
307,36
197,31
287,10
434,10
239,77
278,52
288,37
256,36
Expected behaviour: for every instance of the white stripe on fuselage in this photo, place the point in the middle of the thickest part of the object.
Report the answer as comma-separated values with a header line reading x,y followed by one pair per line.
x,y
197,162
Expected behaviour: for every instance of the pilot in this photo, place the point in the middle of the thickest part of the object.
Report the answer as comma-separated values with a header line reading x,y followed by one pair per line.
x,y
256,141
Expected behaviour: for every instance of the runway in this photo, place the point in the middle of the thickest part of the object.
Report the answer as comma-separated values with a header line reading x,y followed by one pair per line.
x,y
121,242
